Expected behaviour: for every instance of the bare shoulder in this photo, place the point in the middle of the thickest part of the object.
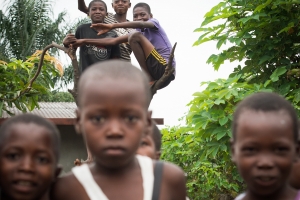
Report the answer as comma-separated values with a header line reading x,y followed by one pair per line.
x,y
67,187
173,182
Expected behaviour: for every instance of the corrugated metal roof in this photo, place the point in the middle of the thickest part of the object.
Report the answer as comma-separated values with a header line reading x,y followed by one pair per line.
x,y
60,113
49,110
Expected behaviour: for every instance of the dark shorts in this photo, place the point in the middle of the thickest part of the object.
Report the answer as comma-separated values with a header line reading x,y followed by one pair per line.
x,y
156,65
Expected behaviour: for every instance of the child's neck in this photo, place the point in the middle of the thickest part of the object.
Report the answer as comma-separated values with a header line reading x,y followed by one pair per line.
x,y
100,168
285,193
121,17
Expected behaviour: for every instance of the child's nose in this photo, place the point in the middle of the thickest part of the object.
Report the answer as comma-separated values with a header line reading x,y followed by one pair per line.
x,y
265,161
26,164
115,129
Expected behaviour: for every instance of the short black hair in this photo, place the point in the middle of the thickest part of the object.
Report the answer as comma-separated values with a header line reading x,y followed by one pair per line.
x,y
156,135
144,5
117,70
266,102
93,1
27,119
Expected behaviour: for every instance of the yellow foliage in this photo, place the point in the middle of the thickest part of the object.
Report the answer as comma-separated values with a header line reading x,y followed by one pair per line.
x,y
3,62
48,57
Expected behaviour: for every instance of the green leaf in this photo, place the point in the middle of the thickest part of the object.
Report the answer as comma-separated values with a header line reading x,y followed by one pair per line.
x,y
264,59
1,108
278,72
223,121
262,6
221,135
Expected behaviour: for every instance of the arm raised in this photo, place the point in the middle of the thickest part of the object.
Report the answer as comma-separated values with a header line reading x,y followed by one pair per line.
x,y
103,28
101,41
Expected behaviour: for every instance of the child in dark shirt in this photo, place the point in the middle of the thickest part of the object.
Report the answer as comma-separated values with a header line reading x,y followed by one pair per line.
x,y
89,53
29,154
120,7
265,146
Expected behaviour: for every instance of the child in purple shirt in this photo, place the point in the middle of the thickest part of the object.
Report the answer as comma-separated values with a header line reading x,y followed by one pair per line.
x,y
150,43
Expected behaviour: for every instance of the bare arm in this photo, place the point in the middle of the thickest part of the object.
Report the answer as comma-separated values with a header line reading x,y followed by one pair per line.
x,y
136,24
173,183
101,41
82,7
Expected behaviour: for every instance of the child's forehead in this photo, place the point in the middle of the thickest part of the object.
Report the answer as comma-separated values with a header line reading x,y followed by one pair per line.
x,y
140,9
121,84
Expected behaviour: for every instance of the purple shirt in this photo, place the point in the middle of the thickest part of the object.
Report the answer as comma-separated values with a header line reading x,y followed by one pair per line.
x,y
159,39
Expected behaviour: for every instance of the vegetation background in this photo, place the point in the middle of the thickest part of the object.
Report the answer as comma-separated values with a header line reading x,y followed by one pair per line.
x,y
261,35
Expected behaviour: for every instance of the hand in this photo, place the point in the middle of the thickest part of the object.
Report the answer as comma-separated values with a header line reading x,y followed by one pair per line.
x,y
77,43
69,39
102,28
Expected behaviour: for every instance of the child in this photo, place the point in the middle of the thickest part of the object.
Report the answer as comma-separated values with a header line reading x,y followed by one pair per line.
x,y
120,7
150,45
264,146
29,153
90,54
151,144
295,175
113,118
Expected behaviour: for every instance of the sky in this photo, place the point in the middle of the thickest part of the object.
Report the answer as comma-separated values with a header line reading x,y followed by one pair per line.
x,y
179,19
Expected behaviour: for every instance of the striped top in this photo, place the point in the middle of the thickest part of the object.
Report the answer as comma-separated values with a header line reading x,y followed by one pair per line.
x,y
125,49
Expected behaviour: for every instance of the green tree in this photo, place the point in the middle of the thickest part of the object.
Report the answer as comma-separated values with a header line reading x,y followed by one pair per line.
x,y
56,96
27,26
263,35
21,82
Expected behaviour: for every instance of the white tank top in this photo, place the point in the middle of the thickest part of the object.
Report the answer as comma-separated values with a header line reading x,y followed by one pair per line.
x,y
84,176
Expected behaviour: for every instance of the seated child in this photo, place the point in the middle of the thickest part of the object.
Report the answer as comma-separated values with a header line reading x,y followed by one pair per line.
x,y
150,44
120,7
89,53
151,144
264,146
29,154
113,118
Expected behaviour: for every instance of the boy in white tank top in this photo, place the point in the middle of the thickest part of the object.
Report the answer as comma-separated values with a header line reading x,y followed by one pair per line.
x,y
113,116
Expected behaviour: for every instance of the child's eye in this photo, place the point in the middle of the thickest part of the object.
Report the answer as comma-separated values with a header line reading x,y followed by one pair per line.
x,y
97,119
249,150
42,160
131,119
281,149
143,143
13,156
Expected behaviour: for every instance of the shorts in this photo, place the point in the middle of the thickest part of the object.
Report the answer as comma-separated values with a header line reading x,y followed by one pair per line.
x,y
156,66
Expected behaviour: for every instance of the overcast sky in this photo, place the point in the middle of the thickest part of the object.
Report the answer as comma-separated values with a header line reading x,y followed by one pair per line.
x,y
179,19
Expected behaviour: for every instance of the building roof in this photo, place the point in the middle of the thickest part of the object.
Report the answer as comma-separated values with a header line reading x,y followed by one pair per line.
x,y
60,113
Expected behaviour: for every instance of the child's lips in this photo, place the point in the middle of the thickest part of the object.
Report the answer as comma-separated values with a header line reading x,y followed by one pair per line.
x,y
115,151
24,186
265,180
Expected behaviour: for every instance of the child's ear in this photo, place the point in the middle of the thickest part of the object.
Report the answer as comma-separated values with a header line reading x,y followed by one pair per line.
x,y
129,5
58,170
77,122
157,155
149,120
297,151
151,16
232,150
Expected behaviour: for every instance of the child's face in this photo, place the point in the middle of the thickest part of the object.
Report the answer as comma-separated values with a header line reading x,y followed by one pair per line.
x,y
97,12
141,14
147,147
28,164
264,150
113,117
121,6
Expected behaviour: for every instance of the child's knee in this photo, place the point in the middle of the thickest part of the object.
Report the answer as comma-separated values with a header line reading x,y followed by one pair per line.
x,y
135,37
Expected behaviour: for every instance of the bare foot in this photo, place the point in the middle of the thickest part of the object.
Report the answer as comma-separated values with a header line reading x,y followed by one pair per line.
x,y
77,162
